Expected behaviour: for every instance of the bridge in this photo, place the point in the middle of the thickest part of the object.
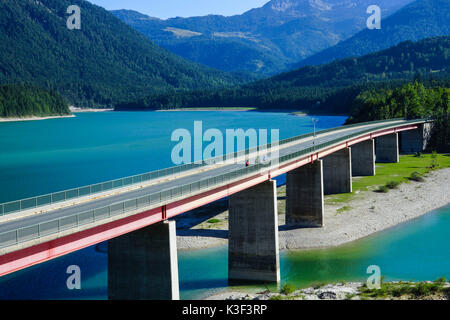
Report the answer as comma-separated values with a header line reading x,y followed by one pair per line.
x,y
133,213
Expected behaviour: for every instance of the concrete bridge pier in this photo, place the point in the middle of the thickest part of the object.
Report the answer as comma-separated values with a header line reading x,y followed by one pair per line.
x,y
387,150
363,158
337,172
304,196
413,141
253,252
143,265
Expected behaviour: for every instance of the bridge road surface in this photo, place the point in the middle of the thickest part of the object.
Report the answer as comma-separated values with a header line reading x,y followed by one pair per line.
x,y
99,203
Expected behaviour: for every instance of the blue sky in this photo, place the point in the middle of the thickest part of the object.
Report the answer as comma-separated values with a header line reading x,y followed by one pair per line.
x,y
183,8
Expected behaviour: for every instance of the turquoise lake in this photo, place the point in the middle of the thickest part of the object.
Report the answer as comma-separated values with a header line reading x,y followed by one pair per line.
x,y
39,157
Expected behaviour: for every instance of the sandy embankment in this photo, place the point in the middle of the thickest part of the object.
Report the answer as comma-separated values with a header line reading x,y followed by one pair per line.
x,y
370,212
33,118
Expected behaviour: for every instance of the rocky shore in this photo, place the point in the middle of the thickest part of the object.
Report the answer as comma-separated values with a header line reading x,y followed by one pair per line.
x,y
438,290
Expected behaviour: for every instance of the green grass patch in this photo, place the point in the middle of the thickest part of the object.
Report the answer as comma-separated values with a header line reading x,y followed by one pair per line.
x,y
287,288
382,189
393,184
388,186
343,209
392,173
416,176
318,284
214,221
412,290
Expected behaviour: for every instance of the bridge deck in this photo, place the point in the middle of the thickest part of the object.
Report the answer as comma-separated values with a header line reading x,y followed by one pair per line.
x,y
340,136
105,201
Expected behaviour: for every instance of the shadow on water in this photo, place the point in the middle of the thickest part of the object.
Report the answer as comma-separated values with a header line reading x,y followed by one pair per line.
x,y
222,234
200,215
203,284
102,247
48,280
83,294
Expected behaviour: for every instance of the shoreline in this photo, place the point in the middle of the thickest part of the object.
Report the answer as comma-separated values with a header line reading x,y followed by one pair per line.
x,y
292,112
81,110
367,214
206,109
394,290
35,118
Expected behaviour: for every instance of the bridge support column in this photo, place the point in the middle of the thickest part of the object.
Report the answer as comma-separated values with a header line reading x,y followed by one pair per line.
x,y
363,158
337,172
413,141
387,148
143,265
253,250
304,196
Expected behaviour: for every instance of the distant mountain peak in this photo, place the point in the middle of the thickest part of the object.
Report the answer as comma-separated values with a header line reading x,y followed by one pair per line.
x,y
299,7
335,10
418,20
320,5
282,5
265,40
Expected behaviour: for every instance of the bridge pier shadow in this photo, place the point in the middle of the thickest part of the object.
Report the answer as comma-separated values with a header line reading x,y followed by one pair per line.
x,y
205,233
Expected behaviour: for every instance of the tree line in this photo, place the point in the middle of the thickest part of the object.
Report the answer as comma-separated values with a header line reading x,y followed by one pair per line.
x,y
411,101
20,101
329,88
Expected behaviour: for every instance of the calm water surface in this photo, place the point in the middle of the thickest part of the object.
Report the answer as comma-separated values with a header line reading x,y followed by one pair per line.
x,y
38,157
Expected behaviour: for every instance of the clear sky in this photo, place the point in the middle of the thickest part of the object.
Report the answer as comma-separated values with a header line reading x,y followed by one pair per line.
x,y
183,8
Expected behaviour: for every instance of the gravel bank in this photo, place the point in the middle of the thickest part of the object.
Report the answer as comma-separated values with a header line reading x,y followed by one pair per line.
x,y
339,291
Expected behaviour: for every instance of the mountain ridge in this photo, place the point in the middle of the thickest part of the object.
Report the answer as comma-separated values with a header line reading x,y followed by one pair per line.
x,y
102,64
263,40
419,20
328,88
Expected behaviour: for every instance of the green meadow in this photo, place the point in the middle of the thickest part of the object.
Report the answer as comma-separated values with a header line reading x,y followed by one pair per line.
x,y
390,175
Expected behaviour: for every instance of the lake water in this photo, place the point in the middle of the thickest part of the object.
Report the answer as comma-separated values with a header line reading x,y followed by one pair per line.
x,y
38,157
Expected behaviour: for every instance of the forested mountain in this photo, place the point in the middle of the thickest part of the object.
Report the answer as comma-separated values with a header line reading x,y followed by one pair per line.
x,y
329,88
22,101
402,61
103,63
410,101
264,40
416,21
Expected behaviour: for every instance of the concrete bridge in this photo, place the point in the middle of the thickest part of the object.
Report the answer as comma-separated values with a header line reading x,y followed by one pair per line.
x,y
133,213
